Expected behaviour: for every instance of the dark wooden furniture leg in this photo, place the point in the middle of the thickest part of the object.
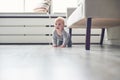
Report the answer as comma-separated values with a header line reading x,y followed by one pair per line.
x,y
88,33
70,40
102,36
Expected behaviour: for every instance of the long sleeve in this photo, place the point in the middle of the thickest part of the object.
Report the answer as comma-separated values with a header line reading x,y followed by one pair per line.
x,y
66,38
54,40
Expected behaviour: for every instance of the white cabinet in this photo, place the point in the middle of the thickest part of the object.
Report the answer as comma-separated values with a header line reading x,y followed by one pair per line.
x,y
26,27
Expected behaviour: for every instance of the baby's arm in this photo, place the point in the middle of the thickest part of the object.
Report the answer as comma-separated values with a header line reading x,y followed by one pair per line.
x,y
54,40
66,38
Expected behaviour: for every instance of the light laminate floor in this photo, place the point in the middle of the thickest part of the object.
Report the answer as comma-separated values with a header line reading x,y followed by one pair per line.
x,y
43,62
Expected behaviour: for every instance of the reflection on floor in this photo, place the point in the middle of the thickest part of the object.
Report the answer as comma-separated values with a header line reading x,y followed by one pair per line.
x,y
43,62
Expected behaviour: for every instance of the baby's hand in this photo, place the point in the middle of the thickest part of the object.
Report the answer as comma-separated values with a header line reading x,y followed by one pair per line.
x,y
54,45
62,46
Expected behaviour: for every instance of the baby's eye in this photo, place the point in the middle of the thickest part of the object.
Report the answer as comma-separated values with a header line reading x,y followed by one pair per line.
x,y
55,24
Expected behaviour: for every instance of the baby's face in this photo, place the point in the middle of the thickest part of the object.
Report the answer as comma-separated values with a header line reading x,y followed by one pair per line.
x,y
59,25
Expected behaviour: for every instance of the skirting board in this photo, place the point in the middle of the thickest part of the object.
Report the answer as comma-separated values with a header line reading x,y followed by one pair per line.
x,y
112,42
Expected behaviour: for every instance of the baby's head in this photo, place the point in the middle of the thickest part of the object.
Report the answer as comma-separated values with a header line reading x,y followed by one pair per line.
x,y
59,23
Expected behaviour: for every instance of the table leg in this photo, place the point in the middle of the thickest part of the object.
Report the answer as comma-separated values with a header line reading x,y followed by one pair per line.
x,y
102,36
70,40
88,33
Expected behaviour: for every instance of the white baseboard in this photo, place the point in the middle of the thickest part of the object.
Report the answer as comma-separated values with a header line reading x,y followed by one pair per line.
x,y
112,42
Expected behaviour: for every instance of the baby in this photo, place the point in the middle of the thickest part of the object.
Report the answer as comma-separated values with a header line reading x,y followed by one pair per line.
x,y
60,36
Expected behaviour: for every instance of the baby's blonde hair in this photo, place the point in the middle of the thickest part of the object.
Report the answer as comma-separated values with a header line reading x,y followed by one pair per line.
x,y
60,19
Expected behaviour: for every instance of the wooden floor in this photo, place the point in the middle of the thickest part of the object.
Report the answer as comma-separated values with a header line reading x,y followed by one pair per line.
x,y
43,62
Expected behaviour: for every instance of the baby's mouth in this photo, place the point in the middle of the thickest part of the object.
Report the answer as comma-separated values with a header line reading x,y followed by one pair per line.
x,y
57,28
